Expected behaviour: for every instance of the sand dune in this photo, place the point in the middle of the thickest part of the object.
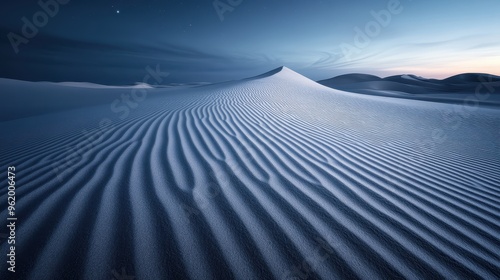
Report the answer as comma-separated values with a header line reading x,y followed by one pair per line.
x,y
273,177
455,89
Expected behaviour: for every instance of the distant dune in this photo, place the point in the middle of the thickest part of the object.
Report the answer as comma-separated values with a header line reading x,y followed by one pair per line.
x,y
349,79
472,78
454,89
272,177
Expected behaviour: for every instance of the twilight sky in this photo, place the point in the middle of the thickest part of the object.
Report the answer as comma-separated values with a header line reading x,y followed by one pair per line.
x,y
113,41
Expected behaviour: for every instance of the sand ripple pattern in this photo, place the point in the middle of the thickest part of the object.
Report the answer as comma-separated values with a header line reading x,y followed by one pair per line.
x,y
270,178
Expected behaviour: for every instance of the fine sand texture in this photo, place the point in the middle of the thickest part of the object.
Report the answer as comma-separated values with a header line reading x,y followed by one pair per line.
x,y
271,177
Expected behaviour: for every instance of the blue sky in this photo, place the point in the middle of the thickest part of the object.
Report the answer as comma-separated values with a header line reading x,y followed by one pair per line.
x,y
92,41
